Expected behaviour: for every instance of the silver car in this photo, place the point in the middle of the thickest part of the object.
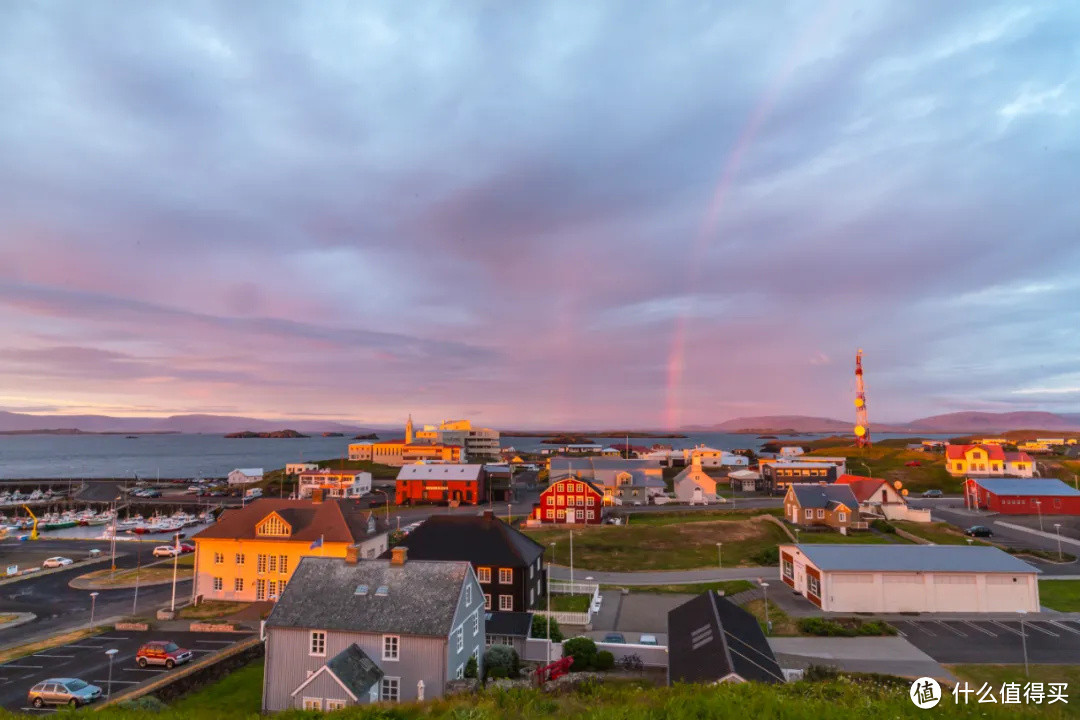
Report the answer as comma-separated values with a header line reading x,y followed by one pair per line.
x,y
63,691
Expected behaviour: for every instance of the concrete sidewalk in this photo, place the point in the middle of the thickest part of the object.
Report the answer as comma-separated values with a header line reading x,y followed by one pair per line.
x,y
888,655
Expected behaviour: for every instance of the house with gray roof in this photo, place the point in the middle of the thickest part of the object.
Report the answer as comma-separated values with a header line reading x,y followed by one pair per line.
x,y
910,578
416,621
822,505
609,473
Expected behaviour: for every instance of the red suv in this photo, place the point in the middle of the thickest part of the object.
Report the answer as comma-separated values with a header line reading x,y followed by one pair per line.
x,y
165,653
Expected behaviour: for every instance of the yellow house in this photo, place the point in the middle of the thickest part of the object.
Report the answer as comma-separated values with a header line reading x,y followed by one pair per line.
x,y
991,441
250,553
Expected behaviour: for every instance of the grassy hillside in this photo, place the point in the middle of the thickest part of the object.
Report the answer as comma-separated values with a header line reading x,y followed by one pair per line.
x,y
237,696
888,461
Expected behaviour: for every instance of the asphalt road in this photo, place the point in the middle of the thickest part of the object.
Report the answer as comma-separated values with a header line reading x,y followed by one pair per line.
x,y
59,607
86,660
994,641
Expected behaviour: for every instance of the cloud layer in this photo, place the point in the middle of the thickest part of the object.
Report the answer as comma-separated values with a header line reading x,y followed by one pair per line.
x,y
539,213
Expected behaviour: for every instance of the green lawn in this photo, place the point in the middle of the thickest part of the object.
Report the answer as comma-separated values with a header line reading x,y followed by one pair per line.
x,y
677,517
155,574
889,463
940,533
997,674
211,609
855,538
728,587
685,545
783,625
239,692
566,603
1063,595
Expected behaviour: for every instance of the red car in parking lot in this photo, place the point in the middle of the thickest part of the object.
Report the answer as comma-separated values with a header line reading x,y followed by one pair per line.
x,y
164,652
914,463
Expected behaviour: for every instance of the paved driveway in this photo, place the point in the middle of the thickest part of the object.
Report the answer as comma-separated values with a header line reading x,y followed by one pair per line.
x,y
994,641
889,655
86,660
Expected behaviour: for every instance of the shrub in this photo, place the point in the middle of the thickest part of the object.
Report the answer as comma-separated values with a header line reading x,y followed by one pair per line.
x,y
819,673
145,704
849,627
767,556
583,650
540,626
882,526
497,674
504,657
470,667
604,660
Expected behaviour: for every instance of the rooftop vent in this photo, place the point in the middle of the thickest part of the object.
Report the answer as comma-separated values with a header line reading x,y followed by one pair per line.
x,y
361,590
382,591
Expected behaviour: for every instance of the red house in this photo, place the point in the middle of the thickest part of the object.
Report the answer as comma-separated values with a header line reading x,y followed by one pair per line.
x,y
570,501
441,483
1022,496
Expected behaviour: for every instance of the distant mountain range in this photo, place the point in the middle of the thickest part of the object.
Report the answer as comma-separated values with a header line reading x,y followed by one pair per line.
x,y
958,422
194,424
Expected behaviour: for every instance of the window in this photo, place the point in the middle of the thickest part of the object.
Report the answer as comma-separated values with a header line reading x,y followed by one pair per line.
x,y
809,514
240,558
281,586
476,623
591,501
273,563
580,514
506,603
388,690
814,586
550,500
487,601
273,589
238,585
550,514
789,569
318,643
332,705
390,647
532,569
283,567
312,703
591,515
562,514
468,595
260,564
820,513
260,589
218,584
460,640
219,558
842,517
562,500
506,576
581,500
460,673
273,526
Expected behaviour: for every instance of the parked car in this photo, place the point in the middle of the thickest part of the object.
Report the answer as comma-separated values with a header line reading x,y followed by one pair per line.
x,y
166,551
979,531
932,494
55,562
914,463
152,494
614,638
63,691
597,603
162,652
647,640
187,548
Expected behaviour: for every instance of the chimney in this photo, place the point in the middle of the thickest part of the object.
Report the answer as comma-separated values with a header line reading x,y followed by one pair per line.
x,y
352,555
398,555
317,495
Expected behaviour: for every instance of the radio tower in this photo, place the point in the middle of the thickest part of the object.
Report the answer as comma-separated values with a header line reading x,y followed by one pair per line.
x,y
862,424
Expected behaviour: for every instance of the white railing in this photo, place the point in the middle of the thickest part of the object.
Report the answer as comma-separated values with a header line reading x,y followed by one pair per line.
x,y
564,587
566,618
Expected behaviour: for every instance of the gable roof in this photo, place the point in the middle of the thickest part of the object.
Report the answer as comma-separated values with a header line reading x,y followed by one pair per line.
x,y
817,495
422,596
352,669
956,452
1017,457
249,471
1026,486
334,520
914,558
588,483
697,476
863,488
479,539
589,465
449,471
710,638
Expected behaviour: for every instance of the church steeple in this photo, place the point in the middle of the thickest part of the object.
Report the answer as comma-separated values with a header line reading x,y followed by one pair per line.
x,y
409,431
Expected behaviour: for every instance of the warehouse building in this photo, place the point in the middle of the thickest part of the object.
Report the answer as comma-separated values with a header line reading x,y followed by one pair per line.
x,y
1013,496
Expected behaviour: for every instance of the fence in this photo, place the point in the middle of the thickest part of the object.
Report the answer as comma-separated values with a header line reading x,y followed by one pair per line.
x,y
565,617
577,588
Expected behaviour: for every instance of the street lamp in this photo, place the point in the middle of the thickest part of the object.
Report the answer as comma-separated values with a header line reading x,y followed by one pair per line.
x,y
508,516
1057,529
93,603
719,560
1023,641
1038,509
108,688
765,593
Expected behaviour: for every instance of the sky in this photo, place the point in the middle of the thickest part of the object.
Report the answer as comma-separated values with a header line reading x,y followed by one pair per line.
x,y
539,214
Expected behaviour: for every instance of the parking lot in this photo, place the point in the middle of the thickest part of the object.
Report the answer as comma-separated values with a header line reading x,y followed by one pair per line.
x,y
994,641
86,660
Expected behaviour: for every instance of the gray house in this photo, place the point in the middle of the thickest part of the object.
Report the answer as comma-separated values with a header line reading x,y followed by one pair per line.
x,y
349,632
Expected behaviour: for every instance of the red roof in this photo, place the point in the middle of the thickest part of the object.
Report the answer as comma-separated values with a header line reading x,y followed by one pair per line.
x,y
1017,457
956,452
863,487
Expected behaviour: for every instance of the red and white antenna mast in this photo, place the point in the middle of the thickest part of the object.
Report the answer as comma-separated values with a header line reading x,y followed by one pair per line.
x,y
862,424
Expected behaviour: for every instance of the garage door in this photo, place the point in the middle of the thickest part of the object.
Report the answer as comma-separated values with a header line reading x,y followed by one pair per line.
x,y
1007,593
955,592
854,592
904,592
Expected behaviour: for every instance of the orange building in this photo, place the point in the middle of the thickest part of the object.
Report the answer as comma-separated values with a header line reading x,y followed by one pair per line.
x,y
398,452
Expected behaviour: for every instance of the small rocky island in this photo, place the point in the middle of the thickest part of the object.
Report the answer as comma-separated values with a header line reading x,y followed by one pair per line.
x,y
275,434
369,436
333,434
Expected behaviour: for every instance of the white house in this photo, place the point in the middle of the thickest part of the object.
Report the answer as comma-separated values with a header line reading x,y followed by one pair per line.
x,y
297,468
791,451
245,476
694,486
342,484
910,578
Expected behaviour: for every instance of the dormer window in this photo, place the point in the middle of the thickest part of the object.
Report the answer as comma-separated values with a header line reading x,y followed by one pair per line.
x,y
273,526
